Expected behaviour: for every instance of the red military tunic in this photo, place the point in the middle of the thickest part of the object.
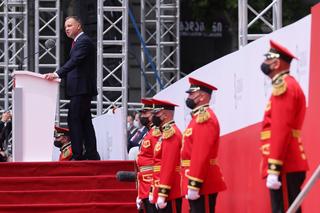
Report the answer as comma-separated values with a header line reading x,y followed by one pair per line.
x,y
199,153
281,146
167,163
145,162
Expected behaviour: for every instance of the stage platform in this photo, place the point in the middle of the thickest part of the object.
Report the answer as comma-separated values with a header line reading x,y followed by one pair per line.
x,y
68,187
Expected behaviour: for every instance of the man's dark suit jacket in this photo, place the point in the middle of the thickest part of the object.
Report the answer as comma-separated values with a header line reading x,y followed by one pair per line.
x,y
81,69
137,137
4,134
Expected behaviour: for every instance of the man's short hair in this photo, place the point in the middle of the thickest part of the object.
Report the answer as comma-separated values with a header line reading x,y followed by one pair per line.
x,y
75,18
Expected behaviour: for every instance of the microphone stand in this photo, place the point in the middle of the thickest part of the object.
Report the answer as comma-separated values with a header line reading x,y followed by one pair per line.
x,y
20,67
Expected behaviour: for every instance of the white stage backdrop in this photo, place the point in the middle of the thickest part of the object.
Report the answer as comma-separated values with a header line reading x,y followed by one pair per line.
x,y
110,133
243,90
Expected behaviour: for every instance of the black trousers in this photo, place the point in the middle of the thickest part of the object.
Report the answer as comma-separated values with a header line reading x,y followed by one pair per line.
x,y
205,201
294,181
81,129
173,206
148,207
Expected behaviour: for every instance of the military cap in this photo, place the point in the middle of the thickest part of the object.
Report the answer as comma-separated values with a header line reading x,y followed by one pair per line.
x,y
196,85
162,104
147,104
60,131
279,51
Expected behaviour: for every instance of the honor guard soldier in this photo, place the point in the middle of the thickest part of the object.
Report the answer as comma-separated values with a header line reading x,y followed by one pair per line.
x,y
284,162
62,141
167,192
144,159
201,175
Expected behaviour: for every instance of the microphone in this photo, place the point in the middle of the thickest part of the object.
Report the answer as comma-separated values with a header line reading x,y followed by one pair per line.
x,y
126,176
49,44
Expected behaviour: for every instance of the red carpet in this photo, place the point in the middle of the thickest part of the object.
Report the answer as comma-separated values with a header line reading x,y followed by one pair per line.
x,y
66,187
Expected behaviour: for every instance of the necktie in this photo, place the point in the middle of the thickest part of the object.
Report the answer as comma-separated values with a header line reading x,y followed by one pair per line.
x,y
73,43
135,137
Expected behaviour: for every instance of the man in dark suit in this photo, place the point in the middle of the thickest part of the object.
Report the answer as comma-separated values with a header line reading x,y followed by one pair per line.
x,y
140,132
131,129
5,131
81,82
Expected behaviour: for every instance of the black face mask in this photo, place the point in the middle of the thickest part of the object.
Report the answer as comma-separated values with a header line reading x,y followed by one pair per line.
x,y
57,144
265,68
144,121
190,103
156,121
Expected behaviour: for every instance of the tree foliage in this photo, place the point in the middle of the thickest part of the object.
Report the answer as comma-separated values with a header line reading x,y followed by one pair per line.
x,y
226,11
292,10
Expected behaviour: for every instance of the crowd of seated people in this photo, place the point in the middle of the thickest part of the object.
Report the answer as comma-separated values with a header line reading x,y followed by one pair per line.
x,y
135,132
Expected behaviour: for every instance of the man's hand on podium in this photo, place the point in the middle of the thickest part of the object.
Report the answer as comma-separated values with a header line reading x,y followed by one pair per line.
x,y
51,76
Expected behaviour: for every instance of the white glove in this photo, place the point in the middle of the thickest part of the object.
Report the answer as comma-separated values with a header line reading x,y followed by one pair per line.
x,y
161,202
273,181
193,194
150,197
138,203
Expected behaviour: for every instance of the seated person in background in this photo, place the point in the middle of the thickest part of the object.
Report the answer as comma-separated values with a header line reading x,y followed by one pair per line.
x,y
140,133
131,129
62,141
5,129
3,156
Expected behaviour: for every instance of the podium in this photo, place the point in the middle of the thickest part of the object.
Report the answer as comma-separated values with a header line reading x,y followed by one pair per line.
x,y
34,108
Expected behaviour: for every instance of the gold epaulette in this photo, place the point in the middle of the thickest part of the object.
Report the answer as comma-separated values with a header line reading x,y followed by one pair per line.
x,y
156,132
168,132
66,153
203,115
279,86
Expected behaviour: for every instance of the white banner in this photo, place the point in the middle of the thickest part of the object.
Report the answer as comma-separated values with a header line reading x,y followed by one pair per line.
x,y
243,90
110,133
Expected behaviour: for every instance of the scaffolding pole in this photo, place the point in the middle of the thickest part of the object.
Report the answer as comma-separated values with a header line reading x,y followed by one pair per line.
x,y
13,45
112,55
160,32
168,41
47,26
148,33
244,24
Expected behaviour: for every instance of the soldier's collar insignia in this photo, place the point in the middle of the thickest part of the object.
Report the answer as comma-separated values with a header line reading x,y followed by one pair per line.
x,y
279,77
65,146
200,109
167,125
